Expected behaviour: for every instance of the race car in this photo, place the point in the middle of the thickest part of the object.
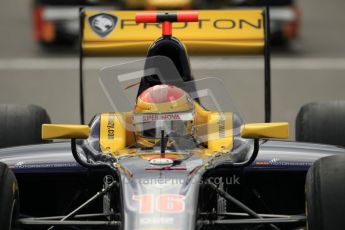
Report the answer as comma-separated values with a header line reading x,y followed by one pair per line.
x,y
56,22
166,158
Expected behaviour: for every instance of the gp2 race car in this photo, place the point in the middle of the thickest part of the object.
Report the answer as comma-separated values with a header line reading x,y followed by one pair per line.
x,y
169,159
56,22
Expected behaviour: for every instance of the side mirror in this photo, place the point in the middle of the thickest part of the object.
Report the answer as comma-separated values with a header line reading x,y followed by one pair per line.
x,y
63,131
278,130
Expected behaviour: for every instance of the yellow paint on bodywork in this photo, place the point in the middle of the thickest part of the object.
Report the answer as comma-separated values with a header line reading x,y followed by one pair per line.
x,y
214,128
166,4
266,130
201,117
64,131
135,3
194,47
112,132
217,32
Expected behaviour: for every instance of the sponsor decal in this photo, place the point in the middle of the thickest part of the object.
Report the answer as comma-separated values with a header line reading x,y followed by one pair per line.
x,y
262,163
103,24
163,117
111,127
43,164
156,220
274,160
19,164
218,24
277,162
161,161
221,125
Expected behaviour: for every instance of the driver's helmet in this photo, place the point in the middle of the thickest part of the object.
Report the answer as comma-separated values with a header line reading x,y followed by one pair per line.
x,y
163,107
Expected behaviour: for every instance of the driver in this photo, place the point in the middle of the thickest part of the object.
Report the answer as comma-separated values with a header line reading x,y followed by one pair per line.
x,y
167,108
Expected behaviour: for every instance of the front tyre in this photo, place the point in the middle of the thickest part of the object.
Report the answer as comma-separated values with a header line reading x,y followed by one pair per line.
x,y
322,122
325,192
9,198
21,124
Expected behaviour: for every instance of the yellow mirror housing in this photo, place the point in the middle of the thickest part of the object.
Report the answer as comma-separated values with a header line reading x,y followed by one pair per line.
x,y
63,131
278,130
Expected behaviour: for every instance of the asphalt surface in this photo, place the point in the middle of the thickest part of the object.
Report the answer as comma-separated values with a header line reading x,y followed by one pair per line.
x,y
312,69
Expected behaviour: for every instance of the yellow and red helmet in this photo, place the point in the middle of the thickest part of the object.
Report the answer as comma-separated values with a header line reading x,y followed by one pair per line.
x,y
163,107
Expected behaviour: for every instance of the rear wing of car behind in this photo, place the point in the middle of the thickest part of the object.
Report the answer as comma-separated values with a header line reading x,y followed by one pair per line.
x,y
220,32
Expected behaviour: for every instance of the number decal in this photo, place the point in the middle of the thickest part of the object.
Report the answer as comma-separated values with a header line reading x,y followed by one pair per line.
x,y
145,203
170,203
167,203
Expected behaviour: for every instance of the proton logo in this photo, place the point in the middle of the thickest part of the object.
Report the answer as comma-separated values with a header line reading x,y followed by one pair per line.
x,y
103,24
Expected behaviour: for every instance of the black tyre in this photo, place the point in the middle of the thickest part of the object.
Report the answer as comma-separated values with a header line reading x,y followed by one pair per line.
x,y
9,198
325,189
21,124
322,122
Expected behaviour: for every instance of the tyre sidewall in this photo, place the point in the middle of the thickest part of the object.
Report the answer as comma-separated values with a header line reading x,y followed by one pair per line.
x,y
8,197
